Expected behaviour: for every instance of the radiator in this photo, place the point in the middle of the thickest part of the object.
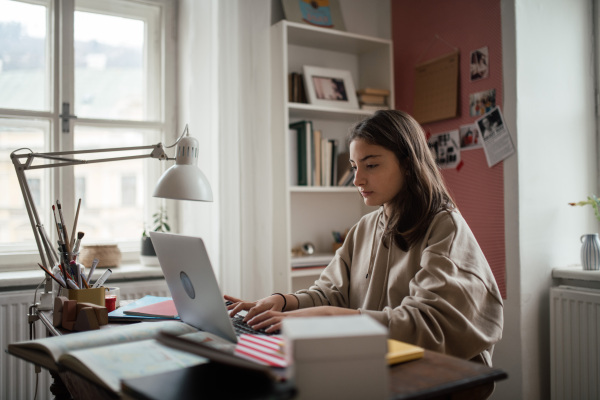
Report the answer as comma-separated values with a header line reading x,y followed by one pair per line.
x,y
17,377
574,343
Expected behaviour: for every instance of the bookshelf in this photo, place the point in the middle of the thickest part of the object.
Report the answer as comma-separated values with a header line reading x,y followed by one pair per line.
x,y
310,213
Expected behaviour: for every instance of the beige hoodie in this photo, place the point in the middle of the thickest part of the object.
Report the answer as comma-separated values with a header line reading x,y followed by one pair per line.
x,y
440,295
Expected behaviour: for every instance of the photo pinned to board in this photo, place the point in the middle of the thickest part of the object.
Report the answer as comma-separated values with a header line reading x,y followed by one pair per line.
x,y
329,87
497,142
445,147
469,137
481,102
480,64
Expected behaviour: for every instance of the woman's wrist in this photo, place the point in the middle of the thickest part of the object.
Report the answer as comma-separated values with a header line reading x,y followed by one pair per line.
x,y
284,300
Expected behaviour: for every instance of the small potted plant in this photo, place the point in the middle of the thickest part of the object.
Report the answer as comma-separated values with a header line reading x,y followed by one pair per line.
x,y
160,223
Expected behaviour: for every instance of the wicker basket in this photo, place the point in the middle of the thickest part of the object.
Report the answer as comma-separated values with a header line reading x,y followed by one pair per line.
x,y
109,255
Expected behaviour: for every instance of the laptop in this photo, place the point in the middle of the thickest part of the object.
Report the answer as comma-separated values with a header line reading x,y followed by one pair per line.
x,y
193,285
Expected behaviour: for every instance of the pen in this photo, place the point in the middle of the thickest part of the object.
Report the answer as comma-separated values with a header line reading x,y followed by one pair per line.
x,y
92,268
85,282
64,272
102,279
72,284
60,282
76,271
77,244
56,221
72,244
64,229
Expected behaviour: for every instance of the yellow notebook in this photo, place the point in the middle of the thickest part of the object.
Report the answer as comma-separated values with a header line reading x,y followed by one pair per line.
x,y
400,352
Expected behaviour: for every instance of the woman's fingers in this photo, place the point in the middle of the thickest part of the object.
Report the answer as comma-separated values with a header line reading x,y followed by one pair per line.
x,y
256,310
232,299
266,319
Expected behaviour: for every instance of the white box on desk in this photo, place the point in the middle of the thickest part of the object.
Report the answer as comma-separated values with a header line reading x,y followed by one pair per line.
x,y
337,357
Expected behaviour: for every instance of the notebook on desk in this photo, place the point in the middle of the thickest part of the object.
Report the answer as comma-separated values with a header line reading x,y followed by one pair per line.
x,y
193,285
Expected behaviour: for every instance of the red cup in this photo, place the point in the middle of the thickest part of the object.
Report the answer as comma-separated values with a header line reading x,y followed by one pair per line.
x,y
110,302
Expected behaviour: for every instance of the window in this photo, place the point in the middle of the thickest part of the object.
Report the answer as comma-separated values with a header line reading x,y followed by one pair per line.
x,y
110,71
128,190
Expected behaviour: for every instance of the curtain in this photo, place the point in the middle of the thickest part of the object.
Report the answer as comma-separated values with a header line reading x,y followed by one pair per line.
x,y
224,87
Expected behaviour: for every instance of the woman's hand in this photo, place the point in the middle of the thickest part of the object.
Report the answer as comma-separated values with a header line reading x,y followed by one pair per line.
x,y
270,320
273,302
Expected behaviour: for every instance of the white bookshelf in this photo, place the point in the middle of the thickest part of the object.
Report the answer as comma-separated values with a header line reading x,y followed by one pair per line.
x,y
310,213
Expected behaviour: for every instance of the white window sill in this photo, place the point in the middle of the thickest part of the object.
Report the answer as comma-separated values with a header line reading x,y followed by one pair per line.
x,y
30,279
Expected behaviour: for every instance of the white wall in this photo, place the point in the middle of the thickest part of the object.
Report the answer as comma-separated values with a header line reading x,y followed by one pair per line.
x,y
507,352
549,107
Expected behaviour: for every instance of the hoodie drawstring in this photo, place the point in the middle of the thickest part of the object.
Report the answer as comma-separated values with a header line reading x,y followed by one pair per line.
x,y
372,260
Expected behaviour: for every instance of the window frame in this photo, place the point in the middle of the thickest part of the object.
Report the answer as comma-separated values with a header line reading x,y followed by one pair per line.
x,y
163,110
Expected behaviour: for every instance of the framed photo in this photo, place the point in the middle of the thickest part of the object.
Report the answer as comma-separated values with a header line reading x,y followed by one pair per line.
x,y
322,13
329,87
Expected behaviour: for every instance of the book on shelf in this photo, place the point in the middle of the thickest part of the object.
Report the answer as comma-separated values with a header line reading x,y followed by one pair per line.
x,y
373,91
374,107
312,157
372,99
293,157
328,160
105,356
318,150
303,140
345,176
297,93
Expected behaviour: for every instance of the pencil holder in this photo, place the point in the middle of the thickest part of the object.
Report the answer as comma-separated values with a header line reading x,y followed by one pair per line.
x,y
94,296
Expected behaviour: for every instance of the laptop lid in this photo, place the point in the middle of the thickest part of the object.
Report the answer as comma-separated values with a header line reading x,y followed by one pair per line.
x,y
192,282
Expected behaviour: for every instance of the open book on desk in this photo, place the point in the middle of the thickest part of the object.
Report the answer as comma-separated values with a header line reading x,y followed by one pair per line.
x,y
107,356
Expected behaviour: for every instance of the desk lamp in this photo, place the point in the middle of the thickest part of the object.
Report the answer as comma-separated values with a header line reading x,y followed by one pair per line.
x,y
182,181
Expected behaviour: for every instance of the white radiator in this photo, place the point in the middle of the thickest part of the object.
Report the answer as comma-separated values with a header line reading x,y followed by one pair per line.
x,y
575,343
17,377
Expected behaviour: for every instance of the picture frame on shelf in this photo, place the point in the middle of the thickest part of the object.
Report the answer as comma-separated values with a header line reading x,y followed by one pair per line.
x,y
329,87
323,13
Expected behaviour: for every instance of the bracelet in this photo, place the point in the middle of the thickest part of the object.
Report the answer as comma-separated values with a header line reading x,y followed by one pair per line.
x,y
284,300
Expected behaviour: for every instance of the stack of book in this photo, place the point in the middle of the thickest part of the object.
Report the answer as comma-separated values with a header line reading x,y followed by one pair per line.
x,y
296,92
373,99
313,158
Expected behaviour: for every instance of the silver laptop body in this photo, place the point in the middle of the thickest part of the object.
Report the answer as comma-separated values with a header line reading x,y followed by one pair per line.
x,y
192,282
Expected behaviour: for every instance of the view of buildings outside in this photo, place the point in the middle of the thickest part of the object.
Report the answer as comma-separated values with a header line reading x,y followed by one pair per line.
x,y
110,83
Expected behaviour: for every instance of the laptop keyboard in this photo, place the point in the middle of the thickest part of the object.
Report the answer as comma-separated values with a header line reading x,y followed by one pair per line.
x,y
241,327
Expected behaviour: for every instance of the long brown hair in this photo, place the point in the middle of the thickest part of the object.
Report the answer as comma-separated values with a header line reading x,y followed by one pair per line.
x,y
424,193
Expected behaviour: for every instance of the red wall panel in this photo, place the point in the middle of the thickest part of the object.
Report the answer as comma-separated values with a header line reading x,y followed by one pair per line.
x,y
466,25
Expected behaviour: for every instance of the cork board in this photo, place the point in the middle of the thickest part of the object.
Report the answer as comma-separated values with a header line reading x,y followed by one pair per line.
x,y
436,89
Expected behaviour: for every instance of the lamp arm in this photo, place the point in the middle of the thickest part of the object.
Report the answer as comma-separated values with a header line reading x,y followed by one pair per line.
x,y
45,248
157,152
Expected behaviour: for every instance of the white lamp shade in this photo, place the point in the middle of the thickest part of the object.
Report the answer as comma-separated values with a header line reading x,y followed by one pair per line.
x,y
184,180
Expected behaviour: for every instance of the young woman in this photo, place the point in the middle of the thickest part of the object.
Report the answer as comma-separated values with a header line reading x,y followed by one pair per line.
x,y
413,265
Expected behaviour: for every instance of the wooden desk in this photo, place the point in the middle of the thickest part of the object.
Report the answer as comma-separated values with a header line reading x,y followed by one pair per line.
x,y
435,376
439,376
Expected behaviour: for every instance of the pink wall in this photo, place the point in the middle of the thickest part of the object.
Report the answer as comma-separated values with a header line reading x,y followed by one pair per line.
x,y
467,25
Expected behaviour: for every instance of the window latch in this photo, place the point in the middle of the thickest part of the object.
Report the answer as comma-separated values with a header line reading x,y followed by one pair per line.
x,y
66,117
